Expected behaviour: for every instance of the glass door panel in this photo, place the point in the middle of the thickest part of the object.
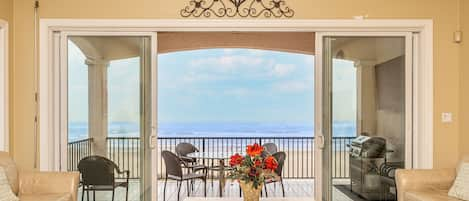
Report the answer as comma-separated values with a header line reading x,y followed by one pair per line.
x,y
365,108
109,113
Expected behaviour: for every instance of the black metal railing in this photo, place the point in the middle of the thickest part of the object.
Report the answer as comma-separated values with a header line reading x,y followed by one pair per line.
x,y
125,152
340,157
299,164
76,151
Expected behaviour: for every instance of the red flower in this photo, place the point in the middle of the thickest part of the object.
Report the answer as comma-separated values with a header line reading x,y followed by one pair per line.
x,y
236,160
257,163
254,150
270,163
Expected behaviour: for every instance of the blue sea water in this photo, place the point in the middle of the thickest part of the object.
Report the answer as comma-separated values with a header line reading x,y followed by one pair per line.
x,y
79,130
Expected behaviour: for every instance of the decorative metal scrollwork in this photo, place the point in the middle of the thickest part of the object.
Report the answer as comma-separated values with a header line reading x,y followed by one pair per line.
x,y
241,8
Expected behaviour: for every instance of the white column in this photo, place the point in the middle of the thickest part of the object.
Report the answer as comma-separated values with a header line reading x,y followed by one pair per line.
x,y
98,105
366,95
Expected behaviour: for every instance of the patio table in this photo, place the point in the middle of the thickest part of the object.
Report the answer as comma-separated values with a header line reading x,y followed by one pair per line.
x,y
221,157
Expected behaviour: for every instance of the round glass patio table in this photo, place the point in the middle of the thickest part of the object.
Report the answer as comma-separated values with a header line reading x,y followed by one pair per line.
x,y
221,157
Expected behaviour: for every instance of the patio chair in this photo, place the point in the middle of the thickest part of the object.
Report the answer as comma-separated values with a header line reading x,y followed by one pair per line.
x,y
270,148
174,172
182,150
98,174
280,157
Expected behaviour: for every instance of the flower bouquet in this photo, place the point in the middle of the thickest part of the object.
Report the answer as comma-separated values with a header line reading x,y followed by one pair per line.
x,y
252,170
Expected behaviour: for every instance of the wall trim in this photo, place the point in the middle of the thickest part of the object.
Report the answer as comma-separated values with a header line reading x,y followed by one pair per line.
x,y
4,100
423,125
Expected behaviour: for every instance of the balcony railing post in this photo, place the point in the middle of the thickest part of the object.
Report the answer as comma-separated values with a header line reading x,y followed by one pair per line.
x,y
203,150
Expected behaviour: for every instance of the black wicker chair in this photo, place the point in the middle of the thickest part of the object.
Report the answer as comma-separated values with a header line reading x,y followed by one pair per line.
x,y
174,171
270,148
191,164
280,157
182,150
98,174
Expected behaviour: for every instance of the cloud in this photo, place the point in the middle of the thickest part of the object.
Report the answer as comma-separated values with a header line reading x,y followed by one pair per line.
x,y
256,52
198,77
281,70
292,86
226,63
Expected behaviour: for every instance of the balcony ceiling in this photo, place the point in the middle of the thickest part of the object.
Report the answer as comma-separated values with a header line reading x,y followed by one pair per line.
x,y
109,47
296,42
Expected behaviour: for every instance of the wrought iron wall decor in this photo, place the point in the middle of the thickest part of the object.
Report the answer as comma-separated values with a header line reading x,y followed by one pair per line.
x,y
240,8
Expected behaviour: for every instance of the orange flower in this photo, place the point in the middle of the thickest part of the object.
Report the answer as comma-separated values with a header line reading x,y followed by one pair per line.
x,y
236,160
254,150
270,163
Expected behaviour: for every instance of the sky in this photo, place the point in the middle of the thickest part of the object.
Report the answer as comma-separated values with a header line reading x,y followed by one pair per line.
x,y
217,85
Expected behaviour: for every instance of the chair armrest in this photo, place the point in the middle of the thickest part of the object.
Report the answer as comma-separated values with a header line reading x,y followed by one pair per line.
x,y
186,158
34,182
127,172
407,180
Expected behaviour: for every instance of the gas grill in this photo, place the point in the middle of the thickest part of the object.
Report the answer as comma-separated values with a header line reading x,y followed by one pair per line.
x,y
366,155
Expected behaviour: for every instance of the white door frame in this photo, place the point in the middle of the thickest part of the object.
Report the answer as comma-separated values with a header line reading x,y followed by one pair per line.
x,y
423,126
4,110
60,75
411,78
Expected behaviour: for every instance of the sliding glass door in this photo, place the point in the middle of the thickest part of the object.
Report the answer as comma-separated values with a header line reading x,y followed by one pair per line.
x,y
109,110
366,118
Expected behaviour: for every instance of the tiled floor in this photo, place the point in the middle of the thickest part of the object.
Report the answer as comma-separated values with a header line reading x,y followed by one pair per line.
x,y
293,188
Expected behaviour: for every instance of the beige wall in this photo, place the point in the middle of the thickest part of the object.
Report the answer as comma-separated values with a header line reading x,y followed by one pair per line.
x,y
446,53
6,10
464,77
6,13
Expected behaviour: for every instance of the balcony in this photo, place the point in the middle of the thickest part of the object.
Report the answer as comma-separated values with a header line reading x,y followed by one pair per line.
x,y
298,170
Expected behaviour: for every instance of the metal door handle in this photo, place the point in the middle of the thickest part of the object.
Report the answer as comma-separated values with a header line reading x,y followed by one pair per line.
x,y
321,141
153,141
153,138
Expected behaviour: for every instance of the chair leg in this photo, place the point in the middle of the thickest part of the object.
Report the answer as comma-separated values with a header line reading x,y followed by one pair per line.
x,y
265,189
192,185
283,188
127,192
83,193
205,181
179,188
188,187
164,188
205,187
112,198
192,181
211,172
88,195
94,195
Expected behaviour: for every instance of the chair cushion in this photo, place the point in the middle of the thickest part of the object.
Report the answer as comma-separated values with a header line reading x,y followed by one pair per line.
x,y
460,188
46,197
10,169
428,195
5,190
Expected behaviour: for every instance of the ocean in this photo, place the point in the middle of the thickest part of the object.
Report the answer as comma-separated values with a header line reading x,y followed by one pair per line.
x,y
79,130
